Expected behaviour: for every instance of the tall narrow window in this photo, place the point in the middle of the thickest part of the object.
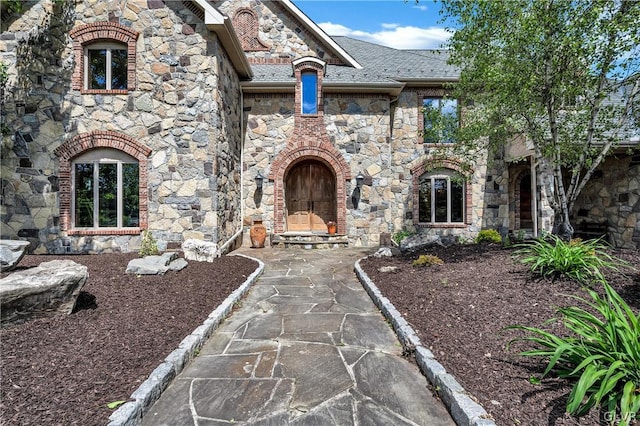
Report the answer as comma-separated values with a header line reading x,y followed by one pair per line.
x,y
106,190
441,119
309,92
441,198
106,66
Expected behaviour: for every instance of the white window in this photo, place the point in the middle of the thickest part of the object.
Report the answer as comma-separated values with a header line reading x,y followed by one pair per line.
x,y
105,190
441,197
105,66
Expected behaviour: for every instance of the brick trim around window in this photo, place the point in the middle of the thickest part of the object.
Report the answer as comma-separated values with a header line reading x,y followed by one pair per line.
x,y
102,31
450,164
100,139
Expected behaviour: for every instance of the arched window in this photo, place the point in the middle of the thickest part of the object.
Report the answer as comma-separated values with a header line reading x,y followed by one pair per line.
x,y
105,193
309,80
441,197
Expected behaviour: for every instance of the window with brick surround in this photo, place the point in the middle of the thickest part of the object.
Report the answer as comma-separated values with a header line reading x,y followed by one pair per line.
x,y
309,81
442,193
105,190
105,66
309,72
103,184
441,197
105,58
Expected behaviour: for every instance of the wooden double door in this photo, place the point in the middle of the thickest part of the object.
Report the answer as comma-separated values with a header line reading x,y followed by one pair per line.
x,y
310,197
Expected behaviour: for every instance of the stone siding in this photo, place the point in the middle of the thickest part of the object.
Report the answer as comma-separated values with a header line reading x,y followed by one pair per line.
x,y
185,108
283,38
612,196
359,127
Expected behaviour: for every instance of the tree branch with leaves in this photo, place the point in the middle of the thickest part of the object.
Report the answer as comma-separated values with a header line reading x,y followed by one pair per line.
x,y
563,74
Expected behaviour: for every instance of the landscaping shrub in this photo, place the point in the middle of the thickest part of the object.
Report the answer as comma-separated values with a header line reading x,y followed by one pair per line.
x,y
489,236
582,261
427,260
399,236
148,246
603,355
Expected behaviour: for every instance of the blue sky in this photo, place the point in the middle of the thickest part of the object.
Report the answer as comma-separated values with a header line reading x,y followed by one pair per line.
x,y
394,23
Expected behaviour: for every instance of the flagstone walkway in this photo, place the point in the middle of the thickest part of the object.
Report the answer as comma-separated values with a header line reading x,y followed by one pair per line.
x,y
307,346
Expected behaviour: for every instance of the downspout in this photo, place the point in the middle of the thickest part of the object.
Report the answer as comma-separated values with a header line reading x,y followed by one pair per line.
x,y
534,204
224,249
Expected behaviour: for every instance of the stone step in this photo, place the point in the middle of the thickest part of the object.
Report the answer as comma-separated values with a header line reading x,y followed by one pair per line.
x,y
309,240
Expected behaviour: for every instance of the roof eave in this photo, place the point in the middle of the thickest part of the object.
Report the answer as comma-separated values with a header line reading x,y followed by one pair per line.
x,y
221,25
268,86
392,89
413,82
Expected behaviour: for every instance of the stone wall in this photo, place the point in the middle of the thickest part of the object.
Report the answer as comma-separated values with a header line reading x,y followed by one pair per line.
x,y
281,37
408,154
612,196
185,108
360,128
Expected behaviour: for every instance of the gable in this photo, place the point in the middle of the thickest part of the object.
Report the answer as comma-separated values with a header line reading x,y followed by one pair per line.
x,y
277,32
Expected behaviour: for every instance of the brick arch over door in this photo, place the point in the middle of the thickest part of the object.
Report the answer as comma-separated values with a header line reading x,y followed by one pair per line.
x,y
84,142
325,154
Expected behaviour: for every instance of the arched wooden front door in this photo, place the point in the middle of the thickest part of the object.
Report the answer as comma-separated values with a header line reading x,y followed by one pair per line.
x,y
310,194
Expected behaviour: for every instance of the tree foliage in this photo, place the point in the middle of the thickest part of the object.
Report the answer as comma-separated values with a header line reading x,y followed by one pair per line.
x,y
563,74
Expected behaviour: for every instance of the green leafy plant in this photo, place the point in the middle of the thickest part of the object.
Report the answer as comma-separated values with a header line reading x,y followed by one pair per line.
x,y
582,261
603,354
399,236
115,404
427,260
489,236
148,246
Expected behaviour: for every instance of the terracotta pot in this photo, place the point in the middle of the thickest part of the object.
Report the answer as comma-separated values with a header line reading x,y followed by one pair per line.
x,y
258,234
331,228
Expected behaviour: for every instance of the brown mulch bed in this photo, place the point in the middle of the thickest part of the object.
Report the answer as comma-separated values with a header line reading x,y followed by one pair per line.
x,y
459,310
65,370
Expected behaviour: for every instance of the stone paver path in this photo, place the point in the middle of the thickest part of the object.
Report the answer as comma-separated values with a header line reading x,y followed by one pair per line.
x,y
307,347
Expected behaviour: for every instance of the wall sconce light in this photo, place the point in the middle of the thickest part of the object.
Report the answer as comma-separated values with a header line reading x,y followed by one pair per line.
x,y
355,196
259,179
257,194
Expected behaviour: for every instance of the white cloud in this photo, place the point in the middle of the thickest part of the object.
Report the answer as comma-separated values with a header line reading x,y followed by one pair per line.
x,y
421,7
393,35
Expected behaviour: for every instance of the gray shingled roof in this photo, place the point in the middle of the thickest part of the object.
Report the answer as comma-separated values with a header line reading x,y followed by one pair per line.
x,y
381,65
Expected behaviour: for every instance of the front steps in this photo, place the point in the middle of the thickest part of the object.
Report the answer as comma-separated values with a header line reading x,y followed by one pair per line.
x,y
309,240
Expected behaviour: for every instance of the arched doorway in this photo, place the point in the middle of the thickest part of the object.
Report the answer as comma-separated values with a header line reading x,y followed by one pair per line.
x,y
524,202
310,196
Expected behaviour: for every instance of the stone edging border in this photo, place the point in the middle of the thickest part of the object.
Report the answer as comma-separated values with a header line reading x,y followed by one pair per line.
x,y
462,407
130,413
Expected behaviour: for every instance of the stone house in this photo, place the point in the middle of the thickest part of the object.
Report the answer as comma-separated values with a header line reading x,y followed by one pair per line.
x,y
192,119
